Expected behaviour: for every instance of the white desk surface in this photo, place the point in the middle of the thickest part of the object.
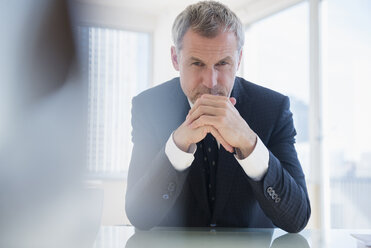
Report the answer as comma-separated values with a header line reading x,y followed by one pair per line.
x,y
129,237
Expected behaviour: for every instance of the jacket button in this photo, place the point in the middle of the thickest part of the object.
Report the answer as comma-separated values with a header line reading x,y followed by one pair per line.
x,y
269,190
274,196
171,187
165,196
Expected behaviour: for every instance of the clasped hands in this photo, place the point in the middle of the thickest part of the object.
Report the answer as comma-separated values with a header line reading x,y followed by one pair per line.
x,y
218,116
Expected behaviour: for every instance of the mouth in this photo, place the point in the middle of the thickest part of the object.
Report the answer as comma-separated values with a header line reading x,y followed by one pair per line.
x,y
198,95
216,92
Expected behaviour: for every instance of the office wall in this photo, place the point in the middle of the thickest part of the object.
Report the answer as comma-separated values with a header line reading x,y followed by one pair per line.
x,y
163,69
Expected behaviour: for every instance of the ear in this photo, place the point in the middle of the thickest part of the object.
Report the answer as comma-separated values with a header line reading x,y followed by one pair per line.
x,y
239,59
174,58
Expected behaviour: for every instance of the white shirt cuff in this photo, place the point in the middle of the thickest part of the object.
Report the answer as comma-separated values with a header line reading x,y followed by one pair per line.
x,y
256,164
179,159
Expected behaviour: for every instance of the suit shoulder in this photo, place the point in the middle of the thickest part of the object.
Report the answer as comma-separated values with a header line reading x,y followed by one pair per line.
x,y
158,92
261,94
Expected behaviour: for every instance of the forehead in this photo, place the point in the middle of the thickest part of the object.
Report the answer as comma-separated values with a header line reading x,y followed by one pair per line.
x,y
222,45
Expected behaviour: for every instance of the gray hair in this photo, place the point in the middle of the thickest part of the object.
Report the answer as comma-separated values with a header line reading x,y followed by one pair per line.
x,y
207,18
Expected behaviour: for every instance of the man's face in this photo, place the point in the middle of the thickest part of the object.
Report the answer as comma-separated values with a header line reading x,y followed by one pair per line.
x,y
207,65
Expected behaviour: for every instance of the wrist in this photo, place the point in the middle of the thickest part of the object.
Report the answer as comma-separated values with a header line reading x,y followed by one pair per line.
x,y
248,146
179,142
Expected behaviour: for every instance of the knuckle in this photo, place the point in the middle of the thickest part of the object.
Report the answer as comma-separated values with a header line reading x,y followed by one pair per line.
x,y
205,131
211,129
221,120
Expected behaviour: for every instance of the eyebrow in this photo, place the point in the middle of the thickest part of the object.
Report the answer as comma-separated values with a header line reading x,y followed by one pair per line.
x,y
199,60
194,59
226,58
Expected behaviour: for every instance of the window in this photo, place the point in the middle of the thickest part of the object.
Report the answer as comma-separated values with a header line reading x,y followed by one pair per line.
x,y
346,110
117,65
276,56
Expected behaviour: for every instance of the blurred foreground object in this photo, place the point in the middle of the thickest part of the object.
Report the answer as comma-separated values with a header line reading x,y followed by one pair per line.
x,y
42,131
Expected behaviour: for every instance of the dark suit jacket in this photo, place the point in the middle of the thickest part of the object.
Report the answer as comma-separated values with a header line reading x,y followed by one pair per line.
x,y
159,195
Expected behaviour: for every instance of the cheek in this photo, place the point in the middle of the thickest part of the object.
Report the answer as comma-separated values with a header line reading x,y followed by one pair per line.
x,y
226,80
190,79
226,77
188,83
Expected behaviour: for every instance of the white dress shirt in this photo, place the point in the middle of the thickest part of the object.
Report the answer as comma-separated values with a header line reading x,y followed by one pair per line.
x,y
255,165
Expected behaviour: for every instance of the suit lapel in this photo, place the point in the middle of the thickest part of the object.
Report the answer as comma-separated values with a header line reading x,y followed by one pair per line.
x,y
178,108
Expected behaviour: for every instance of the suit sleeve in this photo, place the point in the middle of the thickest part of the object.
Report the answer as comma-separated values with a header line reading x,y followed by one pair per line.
x,y
282,193
153,183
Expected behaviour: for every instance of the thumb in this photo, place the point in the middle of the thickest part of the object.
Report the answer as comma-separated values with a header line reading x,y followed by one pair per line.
x,y
233,100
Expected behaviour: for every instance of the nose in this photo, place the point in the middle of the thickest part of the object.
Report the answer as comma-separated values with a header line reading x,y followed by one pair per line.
x,y
210,78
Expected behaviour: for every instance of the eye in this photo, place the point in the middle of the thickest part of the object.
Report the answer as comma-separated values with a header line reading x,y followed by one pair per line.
x,y
197,63
222,63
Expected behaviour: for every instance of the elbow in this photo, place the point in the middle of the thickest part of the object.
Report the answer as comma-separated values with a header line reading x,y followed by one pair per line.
x,y
137,217
300,222
295,228
139,222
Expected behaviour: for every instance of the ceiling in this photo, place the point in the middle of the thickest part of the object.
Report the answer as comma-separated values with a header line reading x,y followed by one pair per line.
x,y
158,7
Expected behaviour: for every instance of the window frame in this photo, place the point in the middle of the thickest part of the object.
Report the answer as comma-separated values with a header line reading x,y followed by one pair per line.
x,y
319,172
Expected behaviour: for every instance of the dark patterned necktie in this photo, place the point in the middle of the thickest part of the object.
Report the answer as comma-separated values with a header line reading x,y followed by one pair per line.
x,y
210,151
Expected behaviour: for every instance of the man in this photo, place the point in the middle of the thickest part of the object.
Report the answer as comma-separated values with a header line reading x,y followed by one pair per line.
x,y
210,148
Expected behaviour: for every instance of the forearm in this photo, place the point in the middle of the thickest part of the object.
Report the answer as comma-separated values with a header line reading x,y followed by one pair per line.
x,y
282,197
152,190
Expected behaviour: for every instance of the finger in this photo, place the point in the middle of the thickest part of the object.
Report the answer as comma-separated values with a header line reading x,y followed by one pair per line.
x,y
233,100
204,110
217,97
209,100
219,138
187,121
206,120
